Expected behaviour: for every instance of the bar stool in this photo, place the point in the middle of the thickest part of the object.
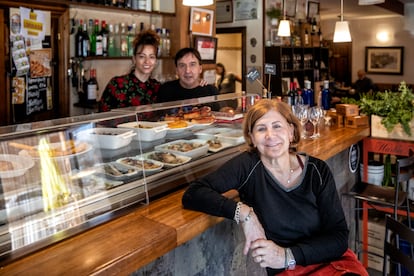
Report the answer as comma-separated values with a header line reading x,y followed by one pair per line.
x,y
384,199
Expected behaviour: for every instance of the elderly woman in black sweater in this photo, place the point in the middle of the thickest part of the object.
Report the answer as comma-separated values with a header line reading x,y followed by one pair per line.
x,y
290,211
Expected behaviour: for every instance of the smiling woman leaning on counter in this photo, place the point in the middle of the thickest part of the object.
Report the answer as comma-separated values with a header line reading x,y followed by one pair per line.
x,y
290,211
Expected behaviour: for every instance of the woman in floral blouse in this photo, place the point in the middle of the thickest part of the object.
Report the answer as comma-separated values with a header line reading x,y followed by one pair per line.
x,y
136,87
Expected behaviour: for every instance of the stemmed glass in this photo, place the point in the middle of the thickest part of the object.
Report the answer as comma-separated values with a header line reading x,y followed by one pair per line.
x,y
315,115
301,112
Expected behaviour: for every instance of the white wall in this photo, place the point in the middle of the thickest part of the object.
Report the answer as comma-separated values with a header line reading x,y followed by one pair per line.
x,y
363,33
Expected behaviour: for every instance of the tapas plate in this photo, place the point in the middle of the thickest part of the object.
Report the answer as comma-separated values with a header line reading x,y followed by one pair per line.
x,y
168,158
58,150
141,163
116,171
13,165
234,137
192,148
215,145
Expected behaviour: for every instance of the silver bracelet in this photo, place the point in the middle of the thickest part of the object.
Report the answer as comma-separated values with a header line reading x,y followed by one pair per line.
x,y
246,219
237,212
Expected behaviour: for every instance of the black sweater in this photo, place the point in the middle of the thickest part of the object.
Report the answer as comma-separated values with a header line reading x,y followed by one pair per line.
x,y
308,218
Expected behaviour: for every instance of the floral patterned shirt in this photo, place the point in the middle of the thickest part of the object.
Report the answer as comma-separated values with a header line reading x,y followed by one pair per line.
x,y
128,90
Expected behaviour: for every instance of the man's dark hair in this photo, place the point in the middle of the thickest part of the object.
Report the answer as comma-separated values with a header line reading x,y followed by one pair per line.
x,y
184,51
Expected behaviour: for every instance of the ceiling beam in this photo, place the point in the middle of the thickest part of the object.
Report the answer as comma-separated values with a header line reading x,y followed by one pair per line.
x,y
393,5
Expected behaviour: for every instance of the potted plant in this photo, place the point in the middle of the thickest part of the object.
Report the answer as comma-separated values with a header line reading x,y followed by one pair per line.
x,y
392,109
274,14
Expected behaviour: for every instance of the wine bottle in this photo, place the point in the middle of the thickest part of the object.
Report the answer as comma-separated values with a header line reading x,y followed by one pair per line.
x,y
92,87
291,94
123,37
93,37
105,37
98,40
79,40
85,42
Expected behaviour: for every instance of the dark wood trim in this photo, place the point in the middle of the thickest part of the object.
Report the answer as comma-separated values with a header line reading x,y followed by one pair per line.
x,y
4,107
393,5
241,30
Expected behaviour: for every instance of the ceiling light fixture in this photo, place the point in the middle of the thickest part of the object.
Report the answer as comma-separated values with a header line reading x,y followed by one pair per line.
x,y
370,2
284,25
198,3
342,33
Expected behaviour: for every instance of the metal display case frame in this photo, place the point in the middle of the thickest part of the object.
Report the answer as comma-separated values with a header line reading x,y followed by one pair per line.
x,y
28,224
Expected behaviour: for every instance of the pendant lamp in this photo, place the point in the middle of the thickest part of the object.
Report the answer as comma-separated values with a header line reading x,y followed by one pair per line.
x,y
370,2
342,33
284,25
198,3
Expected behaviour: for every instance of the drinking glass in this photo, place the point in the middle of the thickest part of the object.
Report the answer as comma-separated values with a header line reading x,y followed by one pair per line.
x,y
301,112
315,115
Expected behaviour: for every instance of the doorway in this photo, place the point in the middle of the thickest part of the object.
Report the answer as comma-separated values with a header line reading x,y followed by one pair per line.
x,y
231,52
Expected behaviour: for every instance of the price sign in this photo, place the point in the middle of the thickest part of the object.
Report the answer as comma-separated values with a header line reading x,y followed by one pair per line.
x,y
270,69
253,75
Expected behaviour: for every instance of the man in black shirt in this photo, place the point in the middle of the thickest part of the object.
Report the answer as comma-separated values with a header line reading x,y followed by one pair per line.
x,y
362,85
188,68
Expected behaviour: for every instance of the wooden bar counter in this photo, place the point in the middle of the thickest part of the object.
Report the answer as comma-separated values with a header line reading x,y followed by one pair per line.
x,y
129,242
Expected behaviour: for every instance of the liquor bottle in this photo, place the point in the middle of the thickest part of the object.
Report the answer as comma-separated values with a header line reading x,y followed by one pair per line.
x,y
79,40
306,37
93,37
85,42
308,95
159,33
131,37
326,101
299,98
105,37
123,37
92,87
111,41
98,40
314,26
291,94
166,43
117,40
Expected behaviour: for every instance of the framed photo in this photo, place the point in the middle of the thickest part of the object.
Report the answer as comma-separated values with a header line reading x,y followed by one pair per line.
x,y
245,9
384,60
207,46
313,9
201,21
224,11
290,8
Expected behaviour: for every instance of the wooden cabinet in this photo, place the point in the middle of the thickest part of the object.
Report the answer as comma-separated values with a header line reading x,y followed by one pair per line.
x,y
301,63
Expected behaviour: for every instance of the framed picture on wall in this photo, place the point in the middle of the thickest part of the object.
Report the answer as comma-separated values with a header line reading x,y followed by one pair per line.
x,y
224,11
384,60
313,9
290,8
201,21
207,46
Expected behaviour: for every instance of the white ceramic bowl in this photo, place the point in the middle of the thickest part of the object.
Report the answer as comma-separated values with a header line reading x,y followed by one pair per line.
x,y
147,131
234,137
107,138
210,133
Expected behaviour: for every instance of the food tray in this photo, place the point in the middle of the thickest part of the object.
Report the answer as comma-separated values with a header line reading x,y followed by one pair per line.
x,y
137,162
19,163
213,146
210,133
177,130
193,153
116,171
107,138
168,158
149,131
234,137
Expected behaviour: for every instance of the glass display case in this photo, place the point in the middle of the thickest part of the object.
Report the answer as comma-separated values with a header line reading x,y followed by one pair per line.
x,y
61,177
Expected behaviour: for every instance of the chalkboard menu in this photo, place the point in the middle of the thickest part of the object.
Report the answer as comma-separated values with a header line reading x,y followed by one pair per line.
x,y
36,95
